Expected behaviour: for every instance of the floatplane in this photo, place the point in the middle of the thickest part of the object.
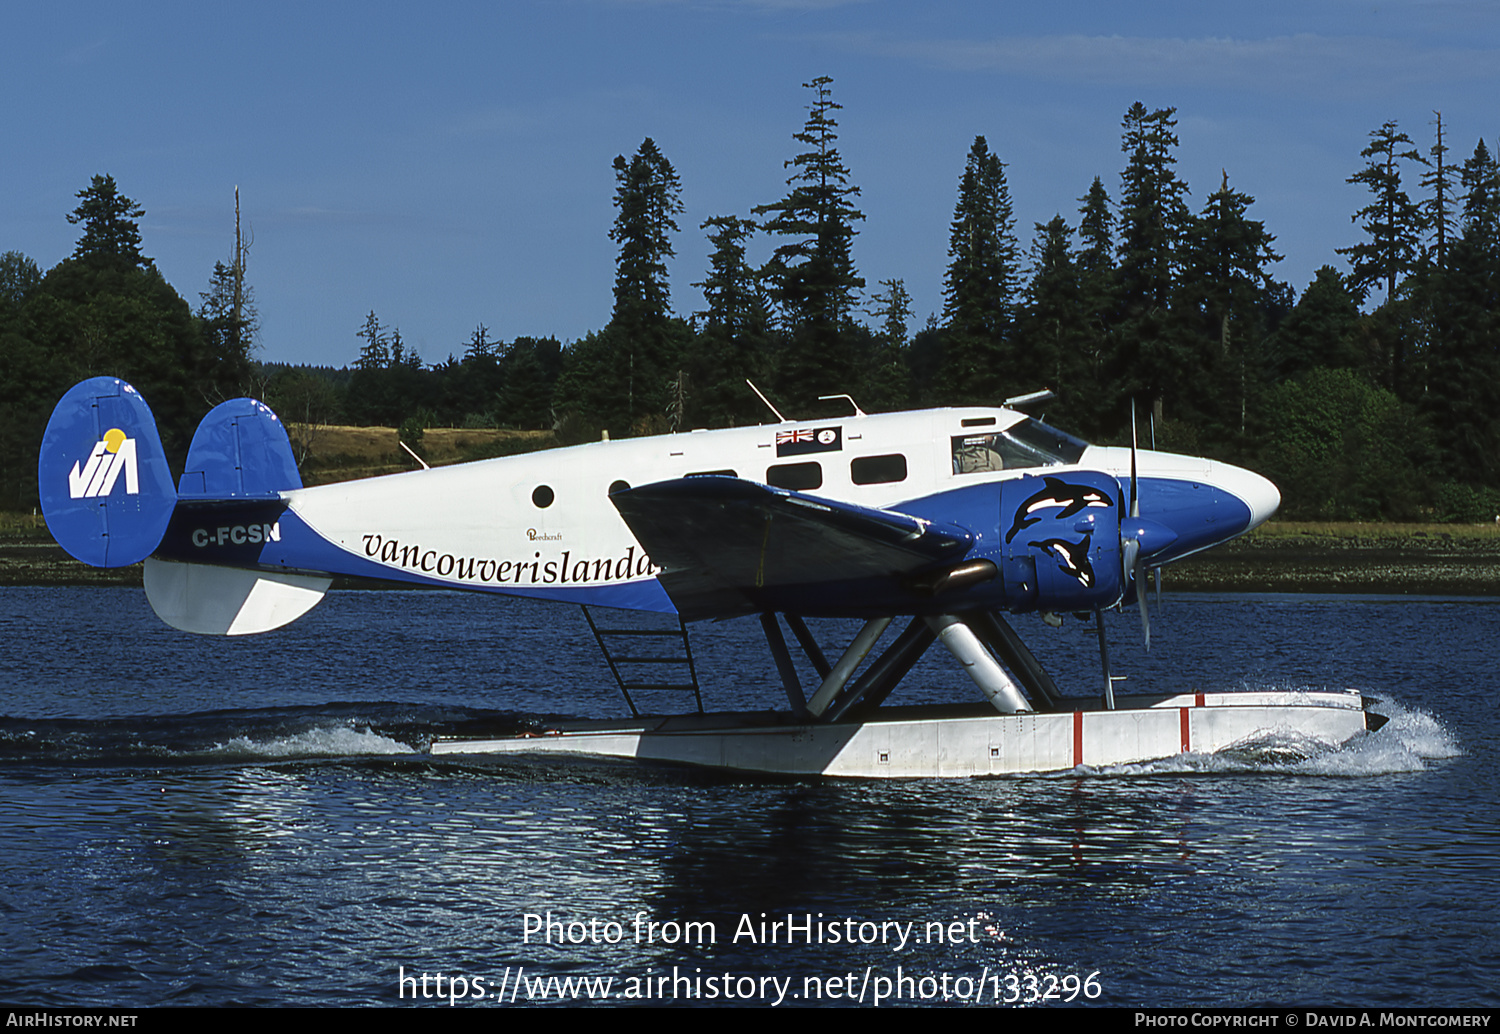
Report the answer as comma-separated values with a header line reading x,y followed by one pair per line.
x,y
948,520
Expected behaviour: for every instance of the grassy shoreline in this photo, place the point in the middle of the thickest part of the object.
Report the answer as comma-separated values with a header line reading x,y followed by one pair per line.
x,y
1281,556
1323,557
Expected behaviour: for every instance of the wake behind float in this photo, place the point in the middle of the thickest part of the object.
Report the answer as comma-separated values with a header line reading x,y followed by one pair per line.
x,y
948,520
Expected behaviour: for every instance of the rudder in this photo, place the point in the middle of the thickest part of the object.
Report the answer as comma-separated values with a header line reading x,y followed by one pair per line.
x,y
240,459
105,486
240,451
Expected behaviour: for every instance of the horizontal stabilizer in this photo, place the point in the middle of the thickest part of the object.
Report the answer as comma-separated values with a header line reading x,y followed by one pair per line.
x,y
212,600
731,546
240,451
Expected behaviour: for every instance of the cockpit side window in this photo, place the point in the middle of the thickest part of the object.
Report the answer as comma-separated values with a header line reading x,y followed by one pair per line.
x,y
976,454
1029,443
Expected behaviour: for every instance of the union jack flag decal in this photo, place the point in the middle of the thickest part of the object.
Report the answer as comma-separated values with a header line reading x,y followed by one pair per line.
x,y
809,439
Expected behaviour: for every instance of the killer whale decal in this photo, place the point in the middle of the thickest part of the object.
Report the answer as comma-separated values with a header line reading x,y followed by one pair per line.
x,y
1056,492
1072,557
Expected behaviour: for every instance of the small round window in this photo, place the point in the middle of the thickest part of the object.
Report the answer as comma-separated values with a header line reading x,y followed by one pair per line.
x,y
542,497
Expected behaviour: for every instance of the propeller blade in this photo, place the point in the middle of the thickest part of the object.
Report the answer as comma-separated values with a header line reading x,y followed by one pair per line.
x,y
1135,497
1130,548
1141,602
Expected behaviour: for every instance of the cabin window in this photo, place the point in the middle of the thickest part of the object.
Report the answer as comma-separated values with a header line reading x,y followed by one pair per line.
x,y
711,474
1029,443
878,470
618,486
799,477
543,497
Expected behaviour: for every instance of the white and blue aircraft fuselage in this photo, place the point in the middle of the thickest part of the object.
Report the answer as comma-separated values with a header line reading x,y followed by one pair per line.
x,y
939,515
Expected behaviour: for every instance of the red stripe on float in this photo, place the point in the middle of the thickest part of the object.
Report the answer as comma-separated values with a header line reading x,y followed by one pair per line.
x,y
1198,699
1077,738
1187,730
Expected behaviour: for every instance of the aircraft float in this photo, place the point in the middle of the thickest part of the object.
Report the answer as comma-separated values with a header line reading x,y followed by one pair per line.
x,y
946,520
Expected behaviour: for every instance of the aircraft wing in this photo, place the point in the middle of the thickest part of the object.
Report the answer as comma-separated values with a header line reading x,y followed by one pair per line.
x,y
730,546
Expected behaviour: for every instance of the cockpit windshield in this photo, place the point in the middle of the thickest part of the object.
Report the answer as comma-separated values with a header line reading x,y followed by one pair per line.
x,y
1029,443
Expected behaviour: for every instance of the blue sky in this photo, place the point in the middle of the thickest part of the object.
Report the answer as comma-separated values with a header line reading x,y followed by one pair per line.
x,y
447,164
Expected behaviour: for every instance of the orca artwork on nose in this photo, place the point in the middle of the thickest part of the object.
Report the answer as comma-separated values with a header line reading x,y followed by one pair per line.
x,y
1073,499
1072,557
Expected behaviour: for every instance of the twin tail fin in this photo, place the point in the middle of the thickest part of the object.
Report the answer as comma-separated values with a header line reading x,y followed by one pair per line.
x,y
109,500
105,486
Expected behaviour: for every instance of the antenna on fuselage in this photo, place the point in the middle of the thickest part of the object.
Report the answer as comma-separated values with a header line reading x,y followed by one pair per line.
x,y
857,410
1022,401
767,401
412,454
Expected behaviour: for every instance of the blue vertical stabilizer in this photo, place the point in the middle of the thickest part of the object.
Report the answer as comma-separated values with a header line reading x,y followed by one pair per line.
x,y
105,486
240,451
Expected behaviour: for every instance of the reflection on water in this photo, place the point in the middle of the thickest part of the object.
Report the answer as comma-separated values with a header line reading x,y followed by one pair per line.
x,y
195,821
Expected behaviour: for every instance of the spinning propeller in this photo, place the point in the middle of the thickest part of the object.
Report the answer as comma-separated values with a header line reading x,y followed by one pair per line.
x,y
1140,539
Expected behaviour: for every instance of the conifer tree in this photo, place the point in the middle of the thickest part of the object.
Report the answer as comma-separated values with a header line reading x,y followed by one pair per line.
x,y
811,278
479,345
886,384
1320,330
1095,230
473,384
1463,360
893,310
1054,342
731,288
1224,284
108,310
229,322
1395,227
618,379
1480,180
1392,221
1153,209
375,353
734,336
980,284
1438,179
110,231
1146,345
983,256
1098,284
648,198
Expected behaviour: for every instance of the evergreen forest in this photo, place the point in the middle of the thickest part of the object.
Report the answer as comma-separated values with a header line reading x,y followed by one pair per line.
x,y
1369,393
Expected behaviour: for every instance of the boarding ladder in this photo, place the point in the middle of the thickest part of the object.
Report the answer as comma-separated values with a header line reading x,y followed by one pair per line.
x,y
648,660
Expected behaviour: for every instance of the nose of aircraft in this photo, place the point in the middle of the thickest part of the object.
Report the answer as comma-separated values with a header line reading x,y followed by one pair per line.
x,y
1260,497
1204,506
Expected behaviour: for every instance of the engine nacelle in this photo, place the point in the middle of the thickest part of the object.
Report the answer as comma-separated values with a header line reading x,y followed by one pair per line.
x,y
1058,542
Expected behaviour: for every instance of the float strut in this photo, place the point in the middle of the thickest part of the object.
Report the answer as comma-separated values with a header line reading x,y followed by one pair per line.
x,y
1016,655
835,680
870,689
808,643
777,642
978,663
1109,682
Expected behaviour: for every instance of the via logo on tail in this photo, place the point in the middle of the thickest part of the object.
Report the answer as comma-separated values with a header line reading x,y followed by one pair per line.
x,y
113,454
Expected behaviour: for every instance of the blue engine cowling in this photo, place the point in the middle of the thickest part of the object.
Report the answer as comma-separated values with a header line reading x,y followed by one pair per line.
x,y
1054,540
1058,546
